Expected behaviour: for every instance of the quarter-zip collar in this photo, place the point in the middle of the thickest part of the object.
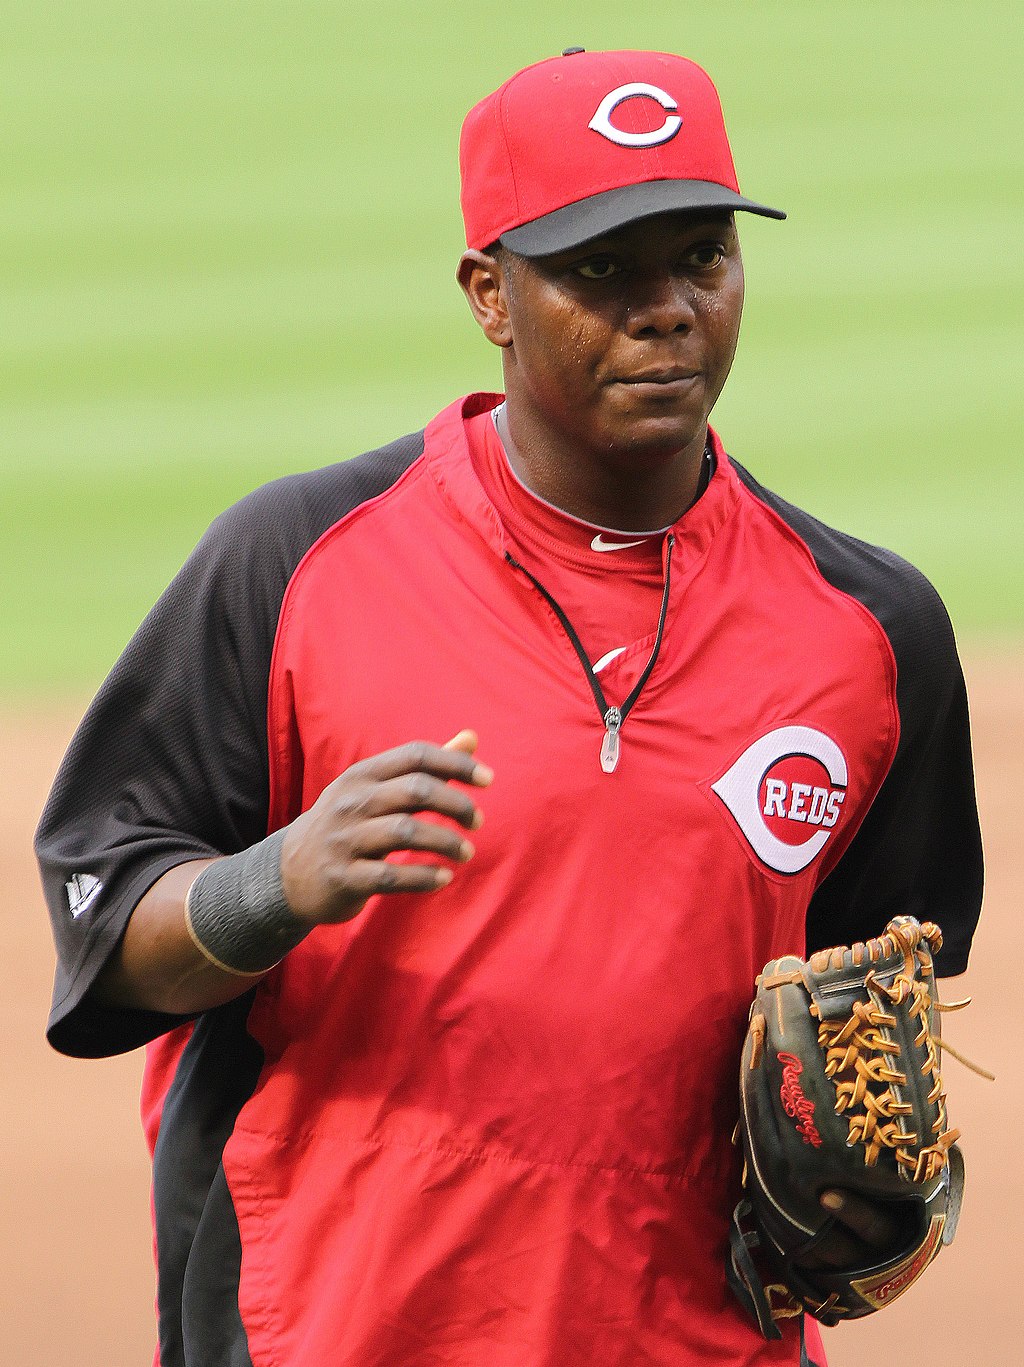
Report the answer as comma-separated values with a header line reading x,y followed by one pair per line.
x,y
684,545
447,455
613,717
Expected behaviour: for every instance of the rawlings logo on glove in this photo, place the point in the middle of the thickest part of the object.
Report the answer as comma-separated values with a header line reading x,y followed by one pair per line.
x,y
794,1103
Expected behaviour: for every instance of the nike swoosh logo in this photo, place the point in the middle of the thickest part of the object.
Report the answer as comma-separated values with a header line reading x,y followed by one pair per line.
x,y
599,544
607,659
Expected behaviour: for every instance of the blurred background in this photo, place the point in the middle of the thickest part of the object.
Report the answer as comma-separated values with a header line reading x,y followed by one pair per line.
x,y
228,233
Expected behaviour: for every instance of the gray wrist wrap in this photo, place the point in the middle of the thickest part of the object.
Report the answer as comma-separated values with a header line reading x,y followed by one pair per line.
x,y
236,910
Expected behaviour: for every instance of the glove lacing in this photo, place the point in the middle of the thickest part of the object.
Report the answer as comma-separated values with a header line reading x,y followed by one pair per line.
x,y
862,1057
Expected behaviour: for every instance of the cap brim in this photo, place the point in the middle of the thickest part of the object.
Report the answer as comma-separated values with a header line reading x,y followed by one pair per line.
x,y
589,218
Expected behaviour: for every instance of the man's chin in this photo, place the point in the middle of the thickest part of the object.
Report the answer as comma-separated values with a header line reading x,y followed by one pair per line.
x,y
654,439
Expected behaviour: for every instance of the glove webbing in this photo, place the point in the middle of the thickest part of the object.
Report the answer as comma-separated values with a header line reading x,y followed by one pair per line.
x,y
861,1059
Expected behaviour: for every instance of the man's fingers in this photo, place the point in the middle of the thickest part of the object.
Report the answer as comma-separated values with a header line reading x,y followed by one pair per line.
x,y
407,793
839,1250
873,1224
444,762
335,856
862,1233
366,878
388,834
466,741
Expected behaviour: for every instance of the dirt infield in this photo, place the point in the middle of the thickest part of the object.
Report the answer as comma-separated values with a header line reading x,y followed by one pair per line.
x,y
76,1282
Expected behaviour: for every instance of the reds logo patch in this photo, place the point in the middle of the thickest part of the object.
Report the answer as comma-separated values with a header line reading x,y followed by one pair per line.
x,y
786,794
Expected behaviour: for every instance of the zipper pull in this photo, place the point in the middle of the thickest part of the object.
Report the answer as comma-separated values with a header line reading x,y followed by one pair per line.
x,y
610,744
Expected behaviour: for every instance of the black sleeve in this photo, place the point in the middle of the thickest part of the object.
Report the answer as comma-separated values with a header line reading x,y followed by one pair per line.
x,y
170,762
918,850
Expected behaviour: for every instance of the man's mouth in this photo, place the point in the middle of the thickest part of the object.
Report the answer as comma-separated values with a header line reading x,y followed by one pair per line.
x,y
661,379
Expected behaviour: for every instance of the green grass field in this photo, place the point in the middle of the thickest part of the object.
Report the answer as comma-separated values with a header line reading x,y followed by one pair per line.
x,y
228,230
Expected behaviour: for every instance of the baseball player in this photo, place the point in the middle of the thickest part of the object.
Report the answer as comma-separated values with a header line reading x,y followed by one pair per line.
x,y
407,827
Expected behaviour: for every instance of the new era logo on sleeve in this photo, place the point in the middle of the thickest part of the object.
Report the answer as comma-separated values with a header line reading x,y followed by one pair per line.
x,y
786,793
82,890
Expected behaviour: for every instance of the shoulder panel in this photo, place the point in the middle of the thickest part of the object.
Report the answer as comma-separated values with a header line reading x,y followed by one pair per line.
x,y
171,761
898,596
918,850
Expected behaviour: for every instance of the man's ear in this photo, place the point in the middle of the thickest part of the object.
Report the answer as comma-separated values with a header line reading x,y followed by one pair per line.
x,y
484,283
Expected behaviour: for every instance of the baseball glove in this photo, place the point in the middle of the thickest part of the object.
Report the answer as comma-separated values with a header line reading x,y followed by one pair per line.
x,y
840,1088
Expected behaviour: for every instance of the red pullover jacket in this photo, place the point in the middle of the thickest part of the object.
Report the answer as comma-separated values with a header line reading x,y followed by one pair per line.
x,y
491,1125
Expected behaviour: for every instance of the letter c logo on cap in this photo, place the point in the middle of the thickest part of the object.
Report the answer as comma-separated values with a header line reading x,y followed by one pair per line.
x,y
601,122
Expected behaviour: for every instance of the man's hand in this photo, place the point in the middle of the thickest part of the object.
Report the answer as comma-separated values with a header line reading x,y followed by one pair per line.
x,y
335,855
864,1232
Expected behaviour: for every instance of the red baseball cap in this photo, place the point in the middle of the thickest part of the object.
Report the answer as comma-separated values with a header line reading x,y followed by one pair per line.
x,y
576,146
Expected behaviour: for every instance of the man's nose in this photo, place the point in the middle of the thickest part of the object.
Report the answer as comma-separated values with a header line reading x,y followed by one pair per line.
x,y
662,305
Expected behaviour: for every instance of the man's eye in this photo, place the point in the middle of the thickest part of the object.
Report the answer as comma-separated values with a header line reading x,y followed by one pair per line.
x,y
707,255
597,268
